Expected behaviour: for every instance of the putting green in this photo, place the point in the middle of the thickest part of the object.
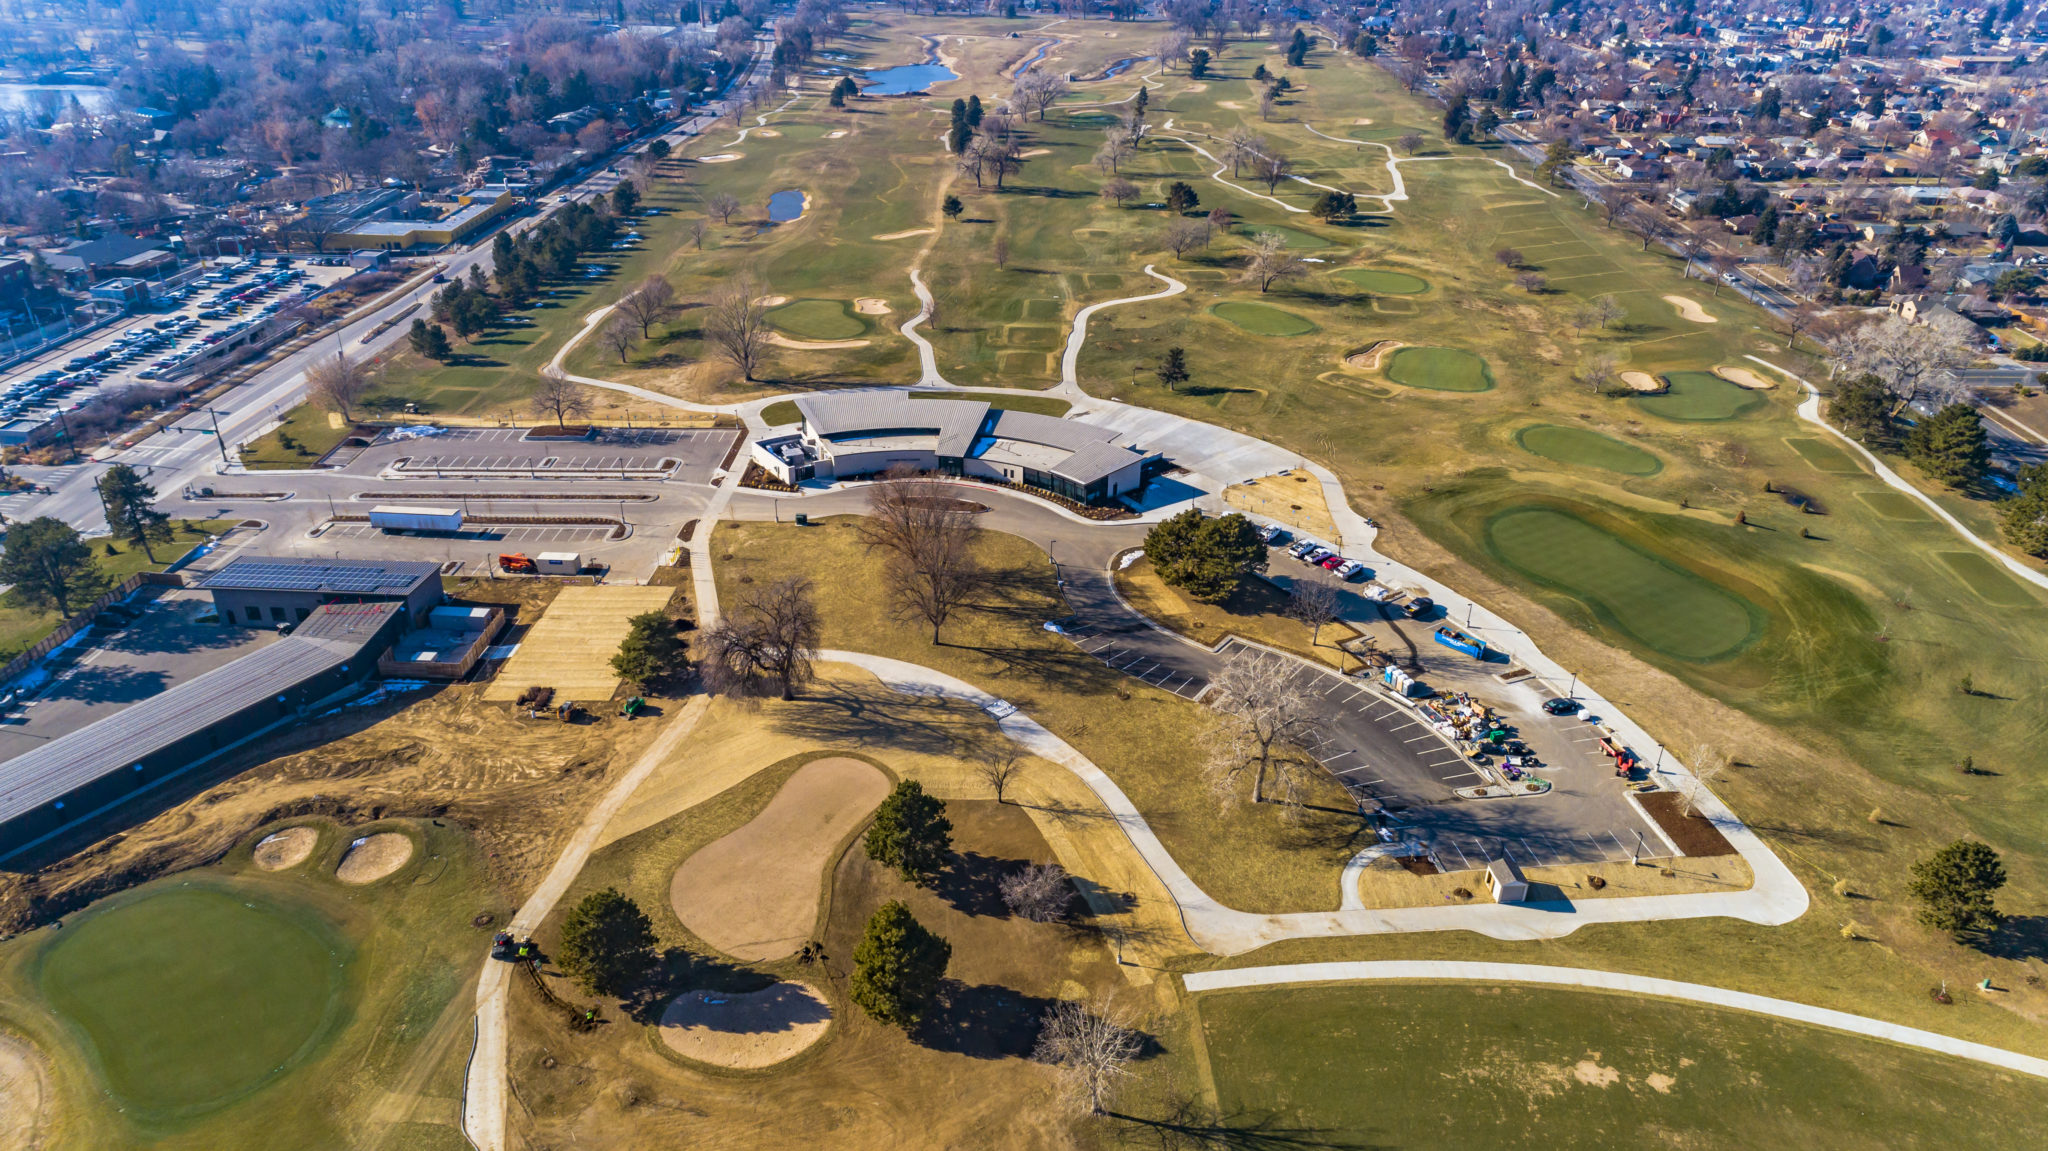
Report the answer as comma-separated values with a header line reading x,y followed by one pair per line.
x,y
1382,280
818,320
190,997
1700,397
1440,369
1667,607
1590,448
1262,319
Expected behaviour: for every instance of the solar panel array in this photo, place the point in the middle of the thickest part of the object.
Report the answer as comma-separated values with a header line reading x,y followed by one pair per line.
x,y
272,575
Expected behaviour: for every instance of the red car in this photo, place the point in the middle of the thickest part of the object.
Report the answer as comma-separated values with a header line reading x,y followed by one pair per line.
x,y
1332,562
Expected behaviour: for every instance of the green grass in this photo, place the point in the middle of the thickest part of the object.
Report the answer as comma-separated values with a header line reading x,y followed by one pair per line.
x,y
818,320
1700,397
1440,369
1262,319
1986,578
1895,505
192,997
1384,281
1588,448
783,412
1824,456
312,432
1472,1065
23,626
1664,605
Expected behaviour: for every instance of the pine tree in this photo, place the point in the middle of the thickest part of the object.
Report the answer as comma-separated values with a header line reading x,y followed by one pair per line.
x,y
1955,886
897,966
1173,368
607,943
911,833
130,509
1951,446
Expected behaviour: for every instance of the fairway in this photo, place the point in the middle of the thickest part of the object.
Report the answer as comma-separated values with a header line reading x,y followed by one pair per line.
x,y
1471,1065
571,647
1262,319
1986,578
1824,456
1665,606
1700,397
1589,448
1383,281
818,320
1440,369
190,997
1894,505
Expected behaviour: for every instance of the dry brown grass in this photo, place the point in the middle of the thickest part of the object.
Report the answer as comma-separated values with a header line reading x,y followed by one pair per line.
x,y
1295,500
1394,887
570,648
1253,612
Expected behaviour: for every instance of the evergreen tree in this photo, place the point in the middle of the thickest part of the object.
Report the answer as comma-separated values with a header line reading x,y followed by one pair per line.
x,y
1955,886
1181,197
974,111
1862,407
911,833
2025,516
607,943
50,565
1173,368
429,340
1951,446
1205,556
650,650
897,966
952,207
131,512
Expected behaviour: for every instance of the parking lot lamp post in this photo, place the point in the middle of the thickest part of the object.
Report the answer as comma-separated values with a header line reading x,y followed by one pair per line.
x,y
220,441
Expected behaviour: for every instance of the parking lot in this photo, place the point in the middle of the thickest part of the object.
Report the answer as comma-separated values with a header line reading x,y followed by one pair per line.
x,y
509,534
688,454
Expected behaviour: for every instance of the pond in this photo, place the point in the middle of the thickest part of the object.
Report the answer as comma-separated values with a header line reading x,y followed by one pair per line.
x,y
785,206
905,79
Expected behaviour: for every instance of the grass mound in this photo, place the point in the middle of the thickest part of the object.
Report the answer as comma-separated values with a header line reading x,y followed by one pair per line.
x,y
1440,369
818,320
1293,237
1262,319
190,997
1700,397
1668,607
1588,449
1385,281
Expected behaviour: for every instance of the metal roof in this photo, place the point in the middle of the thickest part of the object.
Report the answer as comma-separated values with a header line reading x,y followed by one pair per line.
x,y
330,637
1051,431
954,422
336,576
1097,461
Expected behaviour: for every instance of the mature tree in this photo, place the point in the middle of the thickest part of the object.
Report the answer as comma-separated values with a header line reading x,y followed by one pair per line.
x,y
911,833
1606,310
723,205
1040,892
1000,252
736,325
1508,257
1862,407
1313,604
625,198
2024,517
1118,145
650,650
659,149
607,943
617,336
50,566
1534,283
1242,147
1181,198
1035,91
897,966
1955,887
999,768
1198,64
337,384
1334,206
698,230
1271,718
769,639
1951,445
1270,167
1173,368
1205,556
131,512
929,540
560,397
429,340
1270,262
1557,159
1598,374
1409,142
1915,361
1183,237
1092,1048
1119,191
649,304
952,207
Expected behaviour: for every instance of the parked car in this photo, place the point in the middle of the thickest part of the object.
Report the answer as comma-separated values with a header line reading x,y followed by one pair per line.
x,y
1561,706
1350,569
1332,562
1420,607
1301,548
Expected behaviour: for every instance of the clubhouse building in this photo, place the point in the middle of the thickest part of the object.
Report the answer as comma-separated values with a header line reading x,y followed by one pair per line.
x,y
845,435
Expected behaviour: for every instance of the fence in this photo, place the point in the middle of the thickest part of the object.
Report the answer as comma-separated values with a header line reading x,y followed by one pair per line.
x,y
77,623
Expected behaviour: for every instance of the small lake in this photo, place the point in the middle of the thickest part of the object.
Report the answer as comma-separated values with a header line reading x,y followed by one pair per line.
x,y
908,78
52,98
785,206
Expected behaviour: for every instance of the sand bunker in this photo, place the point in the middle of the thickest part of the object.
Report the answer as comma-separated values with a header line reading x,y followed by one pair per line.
x,y
287,848
373,857
871,306
906,235
1370,358
1642,381
1743,377
753,893
1363,120
24,1095
772,301
835,133
768,132
782,341
1034,152
757,1029
722,158
1690,310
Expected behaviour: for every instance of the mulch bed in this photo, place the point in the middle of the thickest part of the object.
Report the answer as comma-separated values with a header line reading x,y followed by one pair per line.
x,y
760,477
1694,834
572,432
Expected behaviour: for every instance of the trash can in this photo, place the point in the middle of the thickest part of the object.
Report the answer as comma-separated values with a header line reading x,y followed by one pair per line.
x,y
802,520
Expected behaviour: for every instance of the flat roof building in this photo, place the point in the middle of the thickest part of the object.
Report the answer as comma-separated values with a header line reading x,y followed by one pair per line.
x,y
262,590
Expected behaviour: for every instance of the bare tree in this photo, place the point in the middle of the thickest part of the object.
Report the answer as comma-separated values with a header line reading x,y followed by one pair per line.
x,y
929,538
1185,236
1534,283
1269,101
559,397
1040,892
736,324
1270,168
649,304
1270,262
723,205
1119,191
1000,252
1724,265
1092,1050
1913,360
698,230
1707,765
1117,146
1313,604
1606,310
769,639
1409,142
617,336
999,769
1508,257
337,384
1035,91
1598,373
1269,717
1241,147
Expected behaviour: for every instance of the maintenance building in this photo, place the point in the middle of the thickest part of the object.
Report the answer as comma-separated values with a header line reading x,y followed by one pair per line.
x,y
267,590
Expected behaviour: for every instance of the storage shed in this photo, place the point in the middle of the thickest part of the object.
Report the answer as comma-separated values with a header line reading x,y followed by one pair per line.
x,y
1505,880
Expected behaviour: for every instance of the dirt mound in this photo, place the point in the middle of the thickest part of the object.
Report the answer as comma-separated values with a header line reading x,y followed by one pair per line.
x,y
871,306
287,848
373,857
1369,358
1642,381
753,893
750,1030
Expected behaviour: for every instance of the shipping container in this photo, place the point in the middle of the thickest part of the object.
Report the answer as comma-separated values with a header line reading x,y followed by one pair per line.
x,y
404,518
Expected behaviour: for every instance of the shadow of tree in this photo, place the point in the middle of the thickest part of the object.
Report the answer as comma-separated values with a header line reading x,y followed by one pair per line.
x,y
1187,1124
983,1021
2019,937
969,883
